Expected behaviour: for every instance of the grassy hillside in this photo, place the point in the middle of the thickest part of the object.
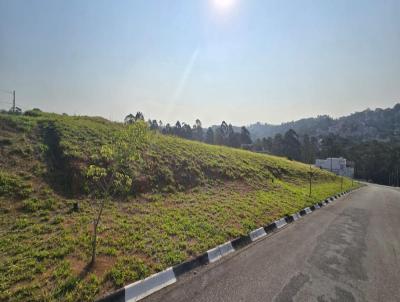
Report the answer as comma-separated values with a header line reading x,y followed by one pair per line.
x,y
186,198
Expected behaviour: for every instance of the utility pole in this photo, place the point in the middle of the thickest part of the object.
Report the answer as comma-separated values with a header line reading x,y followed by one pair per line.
x,y
13,107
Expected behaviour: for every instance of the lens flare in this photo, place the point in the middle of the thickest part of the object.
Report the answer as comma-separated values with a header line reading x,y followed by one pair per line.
x,y
223,4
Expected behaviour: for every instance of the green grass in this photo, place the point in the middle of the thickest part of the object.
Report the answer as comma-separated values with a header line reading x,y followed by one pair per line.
x,y
187,197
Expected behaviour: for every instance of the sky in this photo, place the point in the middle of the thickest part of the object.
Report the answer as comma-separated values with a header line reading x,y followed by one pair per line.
x,y
241,61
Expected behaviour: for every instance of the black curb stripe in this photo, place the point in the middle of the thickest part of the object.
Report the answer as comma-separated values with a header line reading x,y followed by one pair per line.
x,y
117,296
271,227
187,266
240,242
289,219
302,213
320,204
312,208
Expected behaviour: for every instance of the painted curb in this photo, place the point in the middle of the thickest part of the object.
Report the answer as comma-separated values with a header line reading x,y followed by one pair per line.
x,y
241,242
296,216
143,288
214,254
280,223
189,265
226,248
257,234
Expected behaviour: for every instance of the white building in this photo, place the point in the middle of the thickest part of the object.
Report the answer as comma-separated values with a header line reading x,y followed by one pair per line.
x,y
338,166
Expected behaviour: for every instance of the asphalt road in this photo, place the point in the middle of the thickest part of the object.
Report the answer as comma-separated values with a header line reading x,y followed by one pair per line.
x,y
347,251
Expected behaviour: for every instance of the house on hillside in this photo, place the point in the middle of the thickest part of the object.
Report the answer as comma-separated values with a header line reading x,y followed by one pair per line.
x,y
338,165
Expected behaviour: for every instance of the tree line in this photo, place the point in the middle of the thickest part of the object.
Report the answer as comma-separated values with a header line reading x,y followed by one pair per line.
x,y
222,135
374,160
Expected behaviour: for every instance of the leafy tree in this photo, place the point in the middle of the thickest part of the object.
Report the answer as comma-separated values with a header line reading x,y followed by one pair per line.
x,y
129,119
224,132
186,131
178,129
278,145
198,131
219,136
167,130
139,116
110,172
267,143
153,125
245,136
230,139
292,146
332,146
209,136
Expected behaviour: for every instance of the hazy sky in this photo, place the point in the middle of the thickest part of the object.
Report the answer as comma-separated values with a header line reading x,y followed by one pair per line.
x,y
236,60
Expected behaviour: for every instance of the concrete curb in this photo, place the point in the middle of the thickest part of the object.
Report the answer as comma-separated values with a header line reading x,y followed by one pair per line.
x,y
143,288
257,234
280,223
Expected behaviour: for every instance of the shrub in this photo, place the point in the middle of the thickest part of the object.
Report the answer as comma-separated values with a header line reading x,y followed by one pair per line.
x,y
34,112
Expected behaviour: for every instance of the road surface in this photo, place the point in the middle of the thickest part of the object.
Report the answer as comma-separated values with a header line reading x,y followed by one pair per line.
x,y
347,251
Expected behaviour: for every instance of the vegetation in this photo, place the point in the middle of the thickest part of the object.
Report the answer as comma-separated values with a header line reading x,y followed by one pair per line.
x,y
378,124
178,199
370,139
110,176
378,161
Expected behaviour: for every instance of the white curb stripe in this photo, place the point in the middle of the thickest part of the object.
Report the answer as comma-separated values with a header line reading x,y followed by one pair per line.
x,y
226,248
214,254
308,210
257,234
280,223
218,252
140,289
317,206
296,216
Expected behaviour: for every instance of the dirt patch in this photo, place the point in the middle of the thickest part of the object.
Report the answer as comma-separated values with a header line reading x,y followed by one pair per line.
x,y
101,266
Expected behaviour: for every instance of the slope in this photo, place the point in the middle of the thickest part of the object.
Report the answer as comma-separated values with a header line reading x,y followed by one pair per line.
x,y
186,197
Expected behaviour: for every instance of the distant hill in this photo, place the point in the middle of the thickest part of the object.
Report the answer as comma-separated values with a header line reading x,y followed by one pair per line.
x,y
379,124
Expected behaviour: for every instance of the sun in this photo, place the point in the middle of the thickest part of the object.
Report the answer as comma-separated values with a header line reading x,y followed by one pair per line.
x,y
223,4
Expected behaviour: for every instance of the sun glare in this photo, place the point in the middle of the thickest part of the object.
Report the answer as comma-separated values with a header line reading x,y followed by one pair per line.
x,y
223,4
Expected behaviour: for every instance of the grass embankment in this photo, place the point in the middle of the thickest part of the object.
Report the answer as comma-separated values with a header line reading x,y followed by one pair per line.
x,y
186,198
